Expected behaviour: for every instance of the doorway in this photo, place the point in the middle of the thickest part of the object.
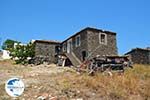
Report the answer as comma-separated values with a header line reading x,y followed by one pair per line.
x,y
69,46
84,55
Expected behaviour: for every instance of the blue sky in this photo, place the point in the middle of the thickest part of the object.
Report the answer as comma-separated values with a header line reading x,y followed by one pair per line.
x,y
24,20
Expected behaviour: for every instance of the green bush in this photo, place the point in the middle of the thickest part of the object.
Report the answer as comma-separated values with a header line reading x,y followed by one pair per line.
x,y
21,53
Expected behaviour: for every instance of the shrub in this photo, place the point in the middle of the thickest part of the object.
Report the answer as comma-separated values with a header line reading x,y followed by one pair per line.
x,y
21,53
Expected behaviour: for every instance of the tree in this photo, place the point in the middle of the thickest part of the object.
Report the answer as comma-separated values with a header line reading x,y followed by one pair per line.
x,y
9,44
23,52
30,50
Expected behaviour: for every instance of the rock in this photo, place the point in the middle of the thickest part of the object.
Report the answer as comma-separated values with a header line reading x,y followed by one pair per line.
x,y
44,96
41,98
53,98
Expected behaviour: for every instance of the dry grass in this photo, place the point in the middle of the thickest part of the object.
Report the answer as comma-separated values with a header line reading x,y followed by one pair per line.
x,y
133,84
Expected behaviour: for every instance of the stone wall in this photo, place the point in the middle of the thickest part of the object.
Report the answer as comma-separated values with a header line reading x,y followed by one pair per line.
x,y
96,48
83,45
140,56
45,50
77,50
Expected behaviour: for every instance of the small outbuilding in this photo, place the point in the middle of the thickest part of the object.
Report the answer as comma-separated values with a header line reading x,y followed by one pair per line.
x,y
140,55
46,50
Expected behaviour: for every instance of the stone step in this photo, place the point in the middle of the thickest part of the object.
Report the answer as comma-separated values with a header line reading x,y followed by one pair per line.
x,y
74,60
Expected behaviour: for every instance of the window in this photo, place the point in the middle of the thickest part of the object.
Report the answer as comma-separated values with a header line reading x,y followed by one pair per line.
x,y
84,55
57,49
78,41
103,38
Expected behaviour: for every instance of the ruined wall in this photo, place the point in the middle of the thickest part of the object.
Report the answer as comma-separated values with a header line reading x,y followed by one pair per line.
x,y
96,48
140,56
46,51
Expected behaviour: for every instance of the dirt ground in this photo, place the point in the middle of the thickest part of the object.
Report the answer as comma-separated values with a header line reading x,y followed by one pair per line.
x,y
50,82
40,81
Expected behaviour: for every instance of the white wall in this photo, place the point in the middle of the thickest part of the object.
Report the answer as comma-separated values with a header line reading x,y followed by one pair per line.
x,y
6,54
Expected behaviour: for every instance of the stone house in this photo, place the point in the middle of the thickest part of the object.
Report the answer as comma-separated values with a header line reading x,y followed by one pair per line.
x,y
89,43
84,44
140,55
46,50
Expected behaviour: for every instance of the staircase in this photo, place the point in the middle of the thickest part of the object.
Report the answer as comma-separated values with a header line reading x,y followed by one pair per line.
x,y
74,60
